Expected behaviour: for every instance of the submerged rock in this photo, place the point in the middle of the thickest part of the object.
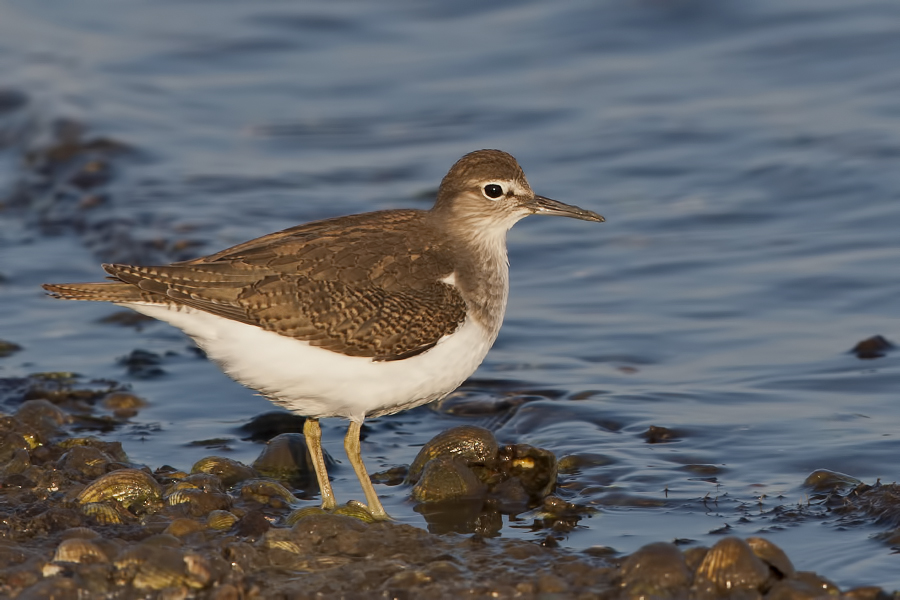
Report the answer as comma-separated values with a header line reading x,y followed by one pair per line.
x,y
873,347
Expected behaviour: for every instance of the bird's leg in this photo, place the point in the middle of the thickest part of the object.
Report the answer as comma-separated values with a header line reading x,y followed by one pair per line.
x,y
313,434
351,445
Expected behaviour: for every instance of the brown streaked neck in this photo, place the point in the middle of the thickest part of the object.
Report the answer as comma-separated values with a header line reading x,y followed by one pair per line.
x,y
482,269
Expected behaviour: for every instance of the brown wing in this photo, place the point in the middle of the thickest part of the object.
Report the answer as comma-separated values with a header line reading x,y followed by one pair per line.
x,y
350,285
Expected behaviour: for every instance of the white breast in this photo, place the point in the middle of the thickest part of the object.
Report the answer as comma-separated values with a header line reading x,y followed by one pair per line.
x,y
319,383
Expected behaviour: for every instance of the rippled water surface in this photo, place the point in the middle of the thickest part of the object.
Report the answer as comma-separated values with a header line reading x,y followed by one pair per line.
x,y
745,155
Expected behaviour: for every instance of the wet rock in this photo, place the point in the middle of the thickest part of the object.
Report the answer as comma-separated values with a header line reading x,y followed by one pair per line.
x,y
873,347
17,464
656,571
448,478
10,444
127,318
474,445
85,462
11,100
143,364
287,459
267,425
510,496
229,471
64,389
574,464
330,534
660,435
823,480
463,475
43,416
393,476
793,590
253,525
535,467
112,536
123,404
91,174
8,348
824,586
866,593
183,527
112,449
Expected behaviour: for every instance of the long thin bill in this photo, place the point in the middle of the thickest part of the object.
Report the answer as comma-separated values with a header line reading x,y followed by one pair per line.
x,y
546,206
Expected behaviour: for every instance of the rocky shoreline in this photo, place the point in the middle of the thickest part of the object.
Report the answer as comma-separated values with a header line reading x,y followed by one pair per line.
x,y
78,519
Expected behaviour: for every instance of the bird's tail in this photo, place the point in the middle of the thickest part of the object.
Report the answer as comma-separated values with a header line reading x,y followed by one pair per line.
x,y
112,291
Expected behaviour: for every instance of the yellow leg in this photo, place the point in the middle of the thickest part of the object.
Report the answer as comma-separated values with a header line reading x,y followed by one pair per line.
x,y
351,445
313,434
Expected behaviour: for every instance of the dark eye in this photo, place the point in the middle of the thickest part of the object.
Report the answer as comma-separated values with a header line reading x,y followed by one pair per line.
x,y
492,190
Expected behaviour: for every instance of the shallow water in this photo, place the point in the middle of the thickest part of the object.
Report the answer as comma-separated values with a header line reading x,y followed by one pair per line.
x,y
744,155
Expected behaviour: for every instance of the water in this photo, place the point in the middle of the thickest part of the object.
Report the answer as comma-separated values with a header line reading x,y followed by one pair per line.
x,y
743,153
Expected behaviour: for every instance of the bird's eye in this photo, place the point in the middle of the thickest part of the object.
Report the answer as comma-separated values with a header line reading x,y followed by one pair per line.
x,y
493,191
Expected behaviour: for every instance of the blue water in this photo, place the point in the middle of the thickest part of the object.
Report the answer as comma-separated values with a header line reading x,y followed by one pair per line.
x,y
744,154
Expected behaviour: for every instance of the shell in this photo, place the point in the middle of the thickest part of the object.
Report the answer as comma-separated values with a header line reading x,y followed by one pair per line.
x,y
447,478
199,502
282,539
85,533
357,510
470,443
103,512
221,520
300,513
267,492
227,470
772,555
79,550
179,496
731,564
131,487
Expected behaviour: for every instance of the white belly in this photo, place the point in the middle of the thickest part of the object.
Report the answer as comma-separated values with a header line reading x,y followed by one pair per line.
x,y
319,383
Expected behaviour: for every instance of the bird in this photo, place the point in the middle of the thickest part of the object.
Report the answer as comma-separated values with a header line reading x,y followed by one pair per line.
x,y
358,316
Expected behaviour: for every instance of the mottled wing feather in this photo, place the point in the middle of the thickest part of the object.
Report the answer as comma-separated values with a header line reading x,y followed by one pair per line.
x,y
336,285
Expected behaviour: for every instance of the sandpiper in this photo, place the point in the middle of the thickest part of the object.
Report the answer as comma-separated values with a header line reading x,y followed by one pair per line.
x,y
357,316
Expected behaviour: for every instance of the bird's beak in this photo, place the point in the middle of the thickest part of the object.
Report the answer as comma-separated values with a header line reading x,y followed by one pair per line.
x,y
545,206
